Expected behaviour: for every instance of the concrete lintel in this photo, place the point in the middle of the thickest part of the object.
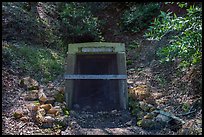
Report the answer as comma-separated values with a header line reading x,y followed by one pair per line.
x,y
77,47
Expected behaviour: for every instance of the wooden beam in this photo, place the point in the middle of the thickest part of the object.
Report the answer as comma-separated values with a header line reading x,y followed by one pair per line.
x,y
77,76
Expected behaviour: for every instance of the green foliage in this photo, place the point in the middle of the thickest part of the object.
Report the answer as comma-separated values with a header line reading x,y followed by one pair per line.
x,y
131,47
46,62
129,62
59,97
36,103
133,106
134,44
65,111
139,123
185,107
79,22
139,16
186,45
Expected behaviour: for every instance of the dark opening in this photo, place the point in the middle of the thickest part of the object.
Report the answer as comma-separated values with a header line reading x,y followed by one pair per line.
x,y
97,94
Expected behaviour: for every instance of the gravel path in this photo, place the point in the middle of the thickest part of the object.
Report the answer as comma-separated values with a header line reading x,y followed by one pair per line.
x,y
104,123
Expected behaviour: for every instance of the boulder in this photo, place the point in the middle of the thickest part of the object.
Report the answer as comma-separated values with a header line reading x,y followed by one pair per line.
x,y
39,118
41,111
59,109
162,118
29,83
140,92
41,96
49,119
161,121
48,122
32,107
46,107
18,114
53,111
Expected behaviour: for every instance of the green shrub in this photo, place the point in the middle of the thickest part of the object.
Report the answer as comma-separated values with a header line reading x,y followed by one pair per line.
x,y
129,62
139,16
78,23
185,107
186,44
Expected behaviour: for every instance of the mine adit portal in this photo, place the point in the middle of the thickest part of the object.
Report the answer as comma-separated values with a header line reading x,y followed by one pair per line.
x,y
95,76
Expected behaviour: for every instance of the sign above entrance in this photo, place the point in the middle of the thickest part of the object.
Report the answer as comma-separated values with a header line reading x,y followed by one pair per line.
x,y
97,49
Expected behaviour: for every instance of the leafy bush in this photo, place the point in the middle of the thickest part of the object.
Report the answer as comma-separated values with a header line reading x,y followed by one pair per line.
x,y
78,23
139,16
186,45
129,62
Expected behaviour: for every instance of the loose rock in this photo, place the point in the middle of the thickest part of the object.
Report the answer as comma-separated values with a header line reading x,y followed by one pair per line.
x,y
41,96
41,111
49,119
29,83
46,107
53,111
18,114
33,107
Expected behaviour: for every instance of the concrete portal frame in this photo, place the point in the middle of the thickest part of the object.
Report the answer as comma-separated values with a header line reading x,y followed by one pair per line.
x,y
96,48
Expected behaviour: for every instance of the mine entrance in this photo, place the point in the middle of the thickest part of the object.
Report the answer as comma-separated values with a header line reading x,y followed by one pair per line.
x,y
98,94
95,76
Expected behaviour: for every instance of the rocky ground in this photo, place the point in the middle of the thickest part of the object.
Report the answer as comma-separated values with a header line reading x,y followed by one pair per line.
x,y
160,103
27,110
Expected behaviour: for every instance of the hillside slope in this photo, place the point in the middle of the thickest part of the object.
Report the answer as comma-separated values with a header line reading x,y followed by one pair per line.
x,y
27,51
